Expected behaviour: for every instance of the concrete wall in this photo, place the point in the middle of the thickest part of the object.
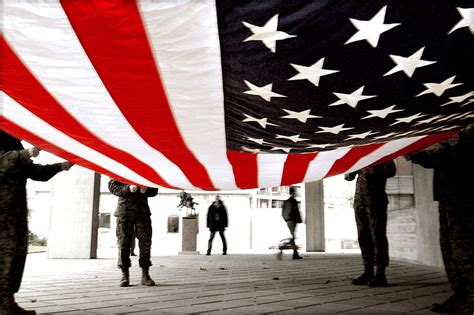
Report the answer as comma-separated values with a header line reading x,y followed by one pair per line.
x,y
413,233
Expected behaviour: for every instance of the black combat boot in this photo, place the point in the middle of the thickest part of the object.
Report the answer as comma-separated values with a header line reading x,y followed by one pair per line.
x,y
459,297
296,255
379,280
146,279
125,281
364,278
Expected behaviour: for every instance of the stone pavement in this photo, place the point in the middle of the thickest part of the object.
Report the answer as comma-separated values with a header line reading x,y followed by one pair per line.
x,y
317,284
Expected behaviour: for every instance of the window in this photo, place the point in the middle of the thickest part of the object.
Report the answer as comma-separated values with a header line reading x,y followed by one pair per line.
x,y
277,203
173,224
104,220
399,188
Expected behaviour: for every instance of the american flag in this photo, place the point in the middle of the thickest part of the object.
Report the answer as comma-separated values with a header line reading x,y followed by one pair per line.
x,y
228,94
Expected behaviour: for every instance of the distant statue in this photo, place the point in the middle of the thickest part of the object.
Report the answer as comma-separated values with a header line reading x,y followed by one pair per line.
x,y
186,200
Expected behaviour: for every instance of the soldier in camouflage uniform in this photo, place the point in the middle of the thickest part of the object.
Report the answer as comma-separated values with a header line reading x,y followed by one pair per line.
x,y
15,168
452,162
133,213
370,205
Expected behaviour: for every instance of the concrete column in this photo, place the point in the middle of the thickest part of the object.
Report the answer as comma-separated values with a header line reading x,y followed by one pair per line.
x,y
74,214
427,218
189,233
314,204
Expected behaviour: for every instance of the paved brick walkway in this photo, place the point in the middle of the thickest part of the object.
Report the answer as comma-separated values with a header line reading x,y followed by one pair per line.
x,y
317,284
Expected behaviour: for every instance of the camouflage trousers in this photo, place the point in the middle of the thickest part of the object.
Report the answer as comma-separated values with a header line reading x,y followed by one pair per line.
x,y
127,229
13,250
456,223
371,224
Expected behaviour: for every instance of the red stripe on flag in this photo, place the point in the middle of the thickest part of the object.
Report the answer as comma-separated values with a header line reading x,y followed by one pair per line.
x,y
113,36
245,167
351,157
21,133
24,88
418,145
295,168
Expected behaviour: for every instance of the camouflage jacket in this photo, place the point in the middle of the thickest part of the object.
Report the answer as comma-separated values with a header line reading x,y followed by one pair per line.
x,y
15,168
131,203
370,186
453,169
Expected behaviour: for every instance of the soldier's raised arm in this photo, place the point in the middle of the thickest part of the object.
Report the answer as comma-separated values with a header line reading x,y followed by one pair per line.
x,y
45,172
148,191
119,189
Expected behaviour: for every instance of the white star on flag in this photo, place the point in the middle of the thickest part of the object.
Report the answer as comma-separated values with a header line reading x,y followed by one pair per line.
x,y
259,141
447,128
351,99
408,119
267,33
457,117
372,29
302,116
263,122
294,138
382,113
264,92
439,88
388,135
409,64
447,117
319,146
334,130
312,73
466,21
426,130
287,150
428,120
404,134
250,150
467,103
459,99
361,135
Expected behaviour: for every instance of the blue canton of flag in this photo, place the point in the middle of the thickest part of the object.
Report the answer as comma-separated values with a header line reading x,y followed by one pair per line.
x,y
312,76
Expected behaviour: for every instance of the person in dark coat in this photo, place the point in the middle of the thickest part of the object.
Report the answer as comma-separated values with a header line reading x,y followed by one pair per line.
x,y
217,222
292,216
15,168
133,214
370,206
452,162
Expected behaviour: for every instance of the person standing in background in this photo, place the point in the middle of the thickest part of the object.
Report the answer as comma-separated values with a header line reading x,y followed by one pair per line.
x,y
217,221
292,216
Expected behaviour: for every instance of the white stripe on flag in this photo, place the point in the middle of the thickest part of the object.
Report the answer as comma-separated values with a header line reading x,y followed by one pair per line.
x,y
385,150
60,64
28,121
270,169
320,166
185,42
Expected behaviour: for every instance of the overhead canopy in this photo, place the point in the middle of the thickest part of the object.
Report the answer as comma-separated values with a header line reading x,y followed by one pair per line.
x,y
234,94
